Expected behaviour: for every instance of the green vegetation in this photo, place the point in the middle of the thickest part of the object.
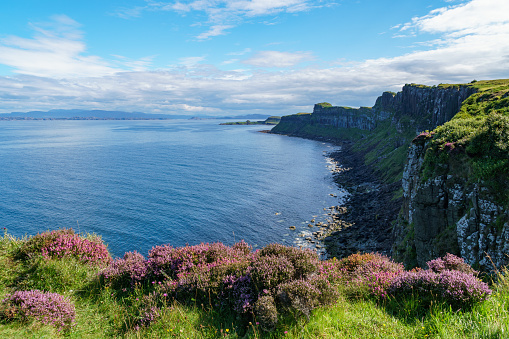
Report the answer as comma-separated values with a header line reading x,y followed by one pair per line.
x,y
386,149
362,296
273,120
324,104
475,143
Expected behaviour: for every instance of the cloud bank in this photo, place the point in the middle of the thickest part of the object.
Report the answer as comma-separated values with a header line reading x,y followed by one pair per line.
x,y
469,41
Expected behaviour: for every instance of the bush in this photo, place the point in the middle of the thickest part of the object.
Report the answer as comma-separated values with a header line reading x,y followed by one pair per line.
x,y
47,308
459,289
450,262
266,313
167,261
34,245
302,296
65,243
298,295
354,261
237,293
304,261
369,273
127,271
271,270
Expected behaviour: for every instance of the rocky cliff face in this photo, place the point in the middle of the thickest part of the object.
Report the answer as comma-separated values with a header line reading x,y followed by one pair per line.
x,y
344,117
424,107
448,214
416,108
440,214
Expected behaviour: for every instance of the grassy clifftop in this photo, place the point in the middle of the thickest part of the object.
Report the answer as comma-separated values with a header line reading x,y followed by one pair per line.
x,y
399,117
60,284
477,137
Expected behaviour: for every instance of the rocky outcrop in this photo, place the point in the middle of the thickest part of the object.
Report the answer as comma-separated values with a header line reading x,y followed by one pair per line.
x,y
344,117
448,214
415,108
424,107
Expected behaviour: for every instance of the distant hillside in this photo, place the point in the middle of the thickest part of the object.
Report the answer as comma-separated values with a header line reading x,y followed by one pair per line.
x,y
248,116
274,120
87,114
80,114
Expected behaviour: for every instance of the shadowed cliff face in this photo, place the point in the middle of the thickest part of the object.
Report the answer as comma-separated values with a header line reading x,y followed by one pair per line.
x,y
416,108
449,214
443,212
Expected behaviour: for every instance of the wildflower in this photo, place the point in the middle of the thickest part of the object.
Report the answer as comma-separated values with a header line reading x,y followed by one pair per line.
x,y
48,308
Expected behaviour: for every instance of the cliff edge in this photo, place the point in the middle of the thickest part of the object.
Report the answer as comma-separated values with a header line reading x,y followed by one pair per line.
x,y
439,157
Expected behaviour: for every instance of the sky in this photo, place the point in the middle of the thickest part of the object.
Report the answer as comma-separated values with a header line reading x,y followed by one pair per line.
x,y
232,57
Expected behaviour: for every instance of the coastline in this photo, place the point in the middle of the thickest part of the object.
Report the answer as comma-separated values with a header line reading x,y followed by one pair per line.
x,y
363,223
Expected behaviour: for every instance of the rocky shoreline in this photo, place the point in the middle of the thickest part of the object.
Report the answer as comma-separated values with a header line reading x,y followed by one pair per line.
x,y
363,223
369,211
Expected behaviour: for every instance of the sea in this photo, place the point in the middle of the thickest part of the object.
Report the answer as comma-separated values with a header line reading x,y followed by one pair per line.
x,y
139,184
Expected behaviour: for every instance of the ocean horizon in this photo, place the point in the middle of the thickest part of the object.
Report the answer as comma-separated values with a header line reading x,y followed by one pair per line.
x,y
139,184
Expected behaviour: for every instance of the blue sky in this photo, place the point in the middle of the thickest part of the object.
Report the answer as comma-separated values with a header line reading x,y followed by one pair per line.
x,y
220,57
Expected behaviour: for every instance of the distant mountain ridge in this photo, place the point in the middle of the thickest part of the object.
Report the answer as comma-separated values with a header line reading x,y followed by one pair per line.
x,y
80,114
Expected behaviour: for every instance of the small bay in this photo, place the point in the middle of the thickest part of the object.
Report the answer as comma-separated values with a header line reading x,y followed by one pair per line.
x,y
144,183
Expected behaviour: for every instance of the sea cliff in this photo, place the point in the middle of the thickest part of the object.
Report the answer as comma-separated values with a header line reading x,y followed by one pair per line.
x,y
447,189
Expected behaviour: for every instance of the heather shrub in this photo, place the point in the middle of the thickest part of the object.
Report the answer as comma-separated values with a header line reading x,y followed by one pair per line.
x,y
298,295
459,289
450,262
271,270
232,278
328,292
304,261
237,293
368,274
167,261
329,269
242,248
204,281
34,245
47,308
265,312
351,263
65,243
301,296
126,272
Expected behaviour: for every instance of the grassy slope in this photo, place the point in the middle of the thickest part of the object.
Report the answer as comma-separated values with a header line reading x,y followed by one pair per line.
x,y
475,143
100,315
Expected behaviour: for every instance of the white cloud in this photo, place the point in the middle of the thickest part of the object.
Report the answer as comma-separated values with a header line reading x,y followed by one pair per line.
x,y
54,52
278,59
214,31
474,16
191,62
57,50
226,14
244,51
460,51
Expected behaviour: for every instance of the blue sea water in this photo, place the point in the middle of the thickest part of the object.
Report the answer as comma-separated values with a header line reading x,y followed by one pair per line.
x,y
144,183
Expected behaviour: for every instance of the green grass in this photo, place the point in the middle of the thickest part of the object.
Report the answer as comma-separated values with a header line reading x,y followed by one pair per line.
x,y
477,139
103,314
